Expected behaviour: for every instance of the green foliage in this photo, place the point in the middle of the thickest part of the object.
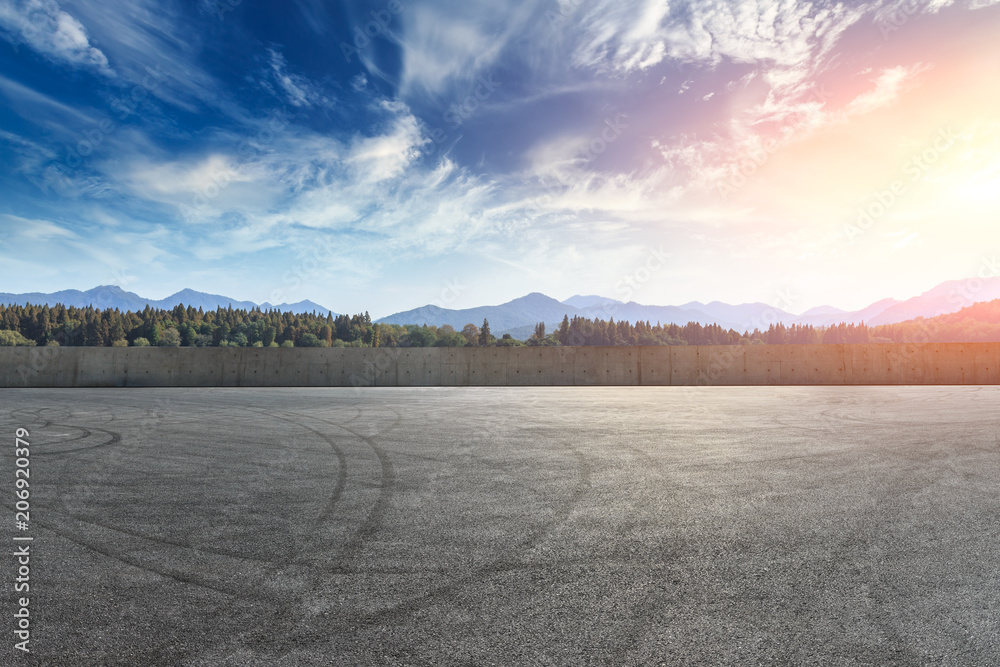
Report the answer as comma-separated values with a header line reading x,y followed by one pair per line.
x,y
448,337
13,338
420,336
310,340
508,341
470,332
539,339
184,325
485,337
169,338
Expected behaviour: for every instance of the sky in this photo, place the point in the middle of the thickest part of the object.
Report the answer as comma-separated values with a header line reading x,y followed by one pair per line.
x,y
379,156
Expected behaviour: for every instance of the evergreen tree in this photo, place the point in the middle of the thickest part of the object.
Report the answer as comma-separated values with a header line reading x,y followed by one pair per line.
x,y
485,338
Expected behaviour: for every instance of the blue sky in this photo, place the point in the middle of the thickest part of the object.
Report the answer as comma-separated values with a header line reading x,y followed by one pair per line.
x,y
384,155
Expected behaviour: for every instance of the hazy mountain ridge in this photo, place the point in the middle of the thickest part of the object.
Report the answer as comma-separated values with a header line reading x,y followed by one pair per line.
x,y
948,297
519,316
112,296
527,310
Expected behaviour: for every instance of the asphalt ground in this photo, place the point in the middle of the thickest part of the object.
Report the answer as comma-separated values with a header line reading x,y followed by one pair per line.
x,y
507,526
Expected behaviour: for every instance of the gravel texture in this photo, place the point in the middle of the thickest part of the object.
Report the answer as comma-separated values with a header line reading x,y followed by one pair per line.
x,y
509,526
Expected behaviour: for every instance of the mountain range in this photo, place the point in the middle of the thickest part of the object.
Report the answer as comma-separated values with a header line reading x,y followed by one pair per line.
x,y
519,317
112,296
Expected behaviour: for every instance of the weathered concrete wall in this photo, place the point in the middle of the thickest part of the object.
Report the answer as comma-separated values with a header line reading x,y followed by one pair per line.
x,y
928,363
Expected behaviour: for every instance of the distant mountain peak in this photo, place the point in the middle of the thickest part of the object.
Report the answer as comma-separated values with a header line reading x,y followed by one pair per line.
x,y
823,310
113,296
523,313
534,297
588,301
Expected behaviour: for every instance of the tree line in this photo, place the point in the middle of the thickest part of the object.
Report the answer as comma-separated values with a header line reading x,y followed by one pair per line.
x,y
226,327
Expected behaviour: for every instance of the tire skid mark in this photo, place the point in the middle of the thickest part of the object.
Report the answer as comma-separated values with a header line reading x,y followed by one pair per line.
x,y
289,625
87,481
883,420
438,594
156,540
187,456
86,434
269,567
132,561
502,564
45,442
338,488
376,516
115,439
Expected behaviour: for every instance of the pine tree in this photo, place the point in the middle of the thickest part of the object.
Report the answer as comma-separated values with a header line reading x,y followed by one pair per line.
x,y
485,338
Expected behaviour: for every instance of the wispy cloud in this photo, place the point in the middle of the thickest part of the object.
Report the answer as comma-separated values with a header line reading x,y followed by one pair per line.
x,y
52,32
446,45
889,85
298,90
251,152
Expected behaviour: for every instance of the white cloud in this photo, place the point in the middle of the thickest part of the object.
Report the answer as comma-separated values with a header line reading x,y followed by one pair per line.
x,y
450,44
298,90
626,37
52,32
622,36
371,190
35,229
143,35
386,156
889,85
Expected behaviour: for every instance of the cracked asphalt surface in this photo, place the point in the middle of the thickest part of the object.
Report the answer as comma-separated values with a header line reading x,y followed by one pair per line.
x,y
509,526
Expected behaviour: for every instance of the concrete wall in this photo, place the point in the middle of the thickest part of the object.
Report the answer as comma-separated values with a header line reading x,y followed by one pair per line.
x,y
927,363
